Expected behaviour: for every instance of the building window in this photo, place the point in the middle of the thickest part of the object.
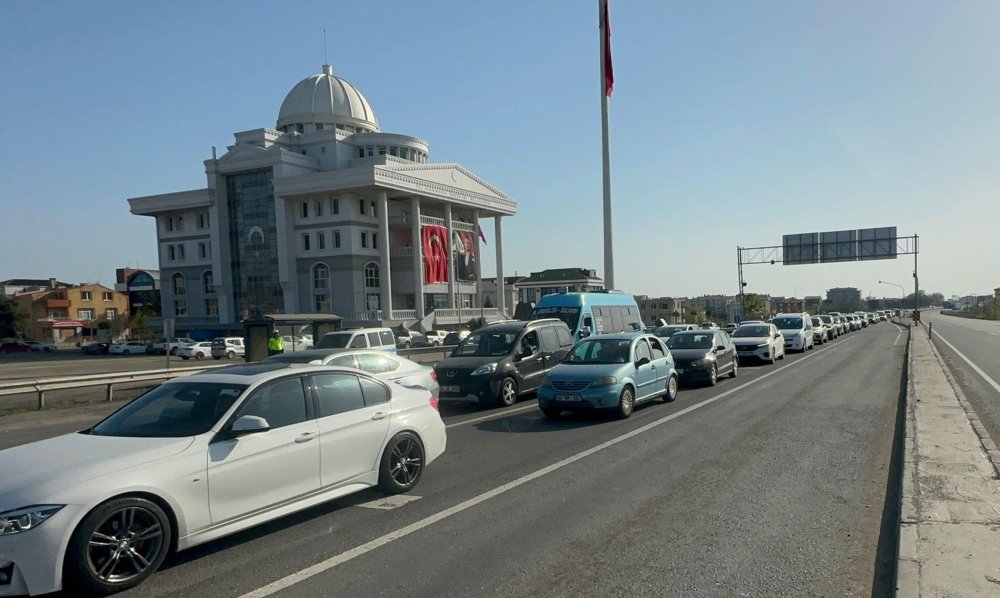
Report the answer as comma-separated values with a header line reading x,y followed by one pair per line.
x,y
305,242
85,314
209,281
373,301
361,206
364,240
170,223
321,240
361,152
336,239
179,284
171,253
374,211
319,126
181,308
305,209
393,151
108,296
203,250
180,252
321,277
321,303
322,149
111,314
381,150
319,207
370,150
371,276
202,220
86,296
212,307
335,205
180,223
404,153
374,241
300,127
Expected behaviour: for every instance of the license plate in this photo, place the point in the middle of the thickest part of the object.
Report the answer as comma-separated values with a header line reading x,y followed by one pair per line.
x,y
569,398
680,370
744,353
449,389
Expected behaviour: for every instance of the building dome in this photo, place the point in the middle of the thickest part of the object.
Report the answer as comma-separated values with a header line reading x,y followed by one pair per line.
x,y
328,101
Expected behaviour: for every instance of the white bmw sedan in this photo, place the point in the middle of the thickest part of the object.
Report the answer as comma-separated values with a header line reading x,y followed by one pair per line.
x,y
201,457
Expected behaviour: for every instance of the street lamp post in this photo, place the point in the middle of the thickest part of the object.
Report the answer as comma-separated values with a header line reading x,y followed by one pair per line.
x,y
902,290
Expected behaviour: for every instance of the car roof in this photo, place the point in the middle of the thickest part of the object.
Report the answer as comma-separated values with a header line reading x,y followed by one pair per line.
x,y
619,335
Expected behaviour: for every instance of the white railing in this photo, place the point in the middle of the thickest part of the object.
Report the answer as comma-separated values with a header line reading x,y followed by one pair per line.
x,y
404,314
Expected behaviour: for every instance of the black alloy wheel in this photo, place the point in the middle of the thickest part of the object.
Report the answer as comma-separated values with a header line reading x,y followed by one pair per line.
x,y
402,464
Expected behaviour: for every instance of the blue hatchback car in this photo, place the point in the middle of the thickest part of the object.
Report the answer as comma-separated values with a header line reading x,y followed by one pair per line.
x,y
612,372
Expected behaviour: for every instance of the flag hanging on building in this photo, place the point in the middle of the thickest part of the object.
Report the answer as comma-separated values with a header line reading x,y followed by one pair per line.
x,y
481,235
609,75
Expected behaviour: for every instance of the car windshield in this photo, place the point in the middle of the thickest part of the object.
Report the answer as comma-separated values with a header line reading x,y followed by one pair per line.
x,y
817,322
788,323
690,341
752,331
172,410
569,315
334,340
611,350
486,344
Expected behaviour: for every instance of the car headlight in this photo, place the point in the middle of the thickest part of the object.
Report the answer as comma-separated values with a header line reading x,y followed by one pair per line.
x,y
486,368
604,381
764,344
26,518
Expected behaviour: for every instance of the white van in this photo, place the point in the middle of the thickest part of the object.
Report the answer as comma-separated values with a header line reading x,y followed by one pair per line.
x,y
229,347
797,328
362,338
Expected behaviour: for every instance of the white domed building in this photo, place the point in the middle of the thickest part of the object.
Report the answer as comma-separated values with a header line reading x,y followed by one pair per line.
x,y
325,213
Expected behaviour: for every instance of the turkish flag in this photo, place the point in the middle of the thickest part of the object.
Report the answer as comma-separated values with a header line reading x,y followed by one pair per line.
x,y
609,73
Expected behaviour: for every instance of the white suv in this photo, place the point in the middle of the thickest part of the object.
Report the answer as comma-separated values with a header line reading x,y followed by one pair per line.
x,y
229,347
797,328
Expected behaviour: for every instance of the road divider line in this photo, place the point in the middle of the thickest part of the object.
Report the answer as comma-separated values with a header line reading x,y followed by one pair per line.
x,y
483,418
975,367
325,565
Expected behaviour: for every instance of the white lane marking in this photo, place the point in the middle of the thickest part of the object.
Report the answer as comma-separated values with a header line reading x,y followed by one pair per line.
x,y
898,335
975,367
290,580
503,413
387,503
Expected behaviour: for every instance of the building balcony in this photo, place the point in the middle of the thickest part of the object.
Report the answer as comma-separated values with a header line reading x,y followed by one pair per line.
x,y
56,303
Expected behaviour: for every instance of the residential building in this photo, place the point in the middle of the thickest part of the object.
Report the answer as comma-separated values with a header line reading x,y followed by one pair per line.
x,y
653,309
142,288
72,313
325,213
558,280
844,298
490,298
12,286
791,305
717,306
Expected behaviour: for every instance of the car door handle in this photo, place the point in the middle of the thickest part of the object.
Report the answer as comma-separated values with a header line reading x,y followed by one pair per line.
x,y
379,415
305,437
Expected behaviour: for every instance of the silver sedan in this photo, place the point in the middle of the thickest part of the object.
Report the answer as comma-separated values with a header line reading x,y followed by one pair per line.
x,y
385,365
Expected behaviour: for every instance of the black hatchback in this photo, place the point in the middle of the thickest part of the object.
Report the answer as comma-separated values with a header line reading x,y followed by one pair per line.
x,y
703,355
500,362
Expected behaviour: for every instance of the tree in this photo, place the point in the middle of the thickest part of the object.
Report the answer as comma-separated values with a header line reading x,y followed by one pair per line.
x,y
754,307
139,324
11,318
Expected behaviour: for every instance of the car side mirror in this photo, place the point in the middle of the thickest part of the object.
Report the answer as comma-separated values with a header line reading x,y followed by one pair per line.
x,y
248,424
642,361
585,332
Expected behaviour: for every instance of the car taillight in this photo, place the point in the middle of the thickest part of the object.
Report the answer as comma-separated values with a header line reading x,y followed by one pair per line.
x,y
434,404
434,375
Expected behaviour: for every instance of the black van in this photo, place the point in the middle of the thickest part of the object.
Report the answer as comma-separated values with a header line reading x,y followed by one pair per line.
x,y
499,362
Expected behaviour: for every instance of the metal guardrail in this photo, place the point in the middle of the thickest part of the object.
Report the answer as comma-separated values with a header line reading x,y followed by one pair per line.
x,y
43,385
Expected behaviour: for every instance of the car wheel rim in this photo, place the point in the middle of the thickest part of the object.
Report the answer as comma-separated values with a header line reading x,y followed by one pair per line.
x,y
127,543
405,462
672,388
508,392
713,375
627,400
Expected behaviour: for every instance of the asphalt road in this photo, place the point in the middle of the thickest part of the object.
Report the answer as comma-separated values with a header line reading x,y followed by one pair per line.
x,y
770,484
978,341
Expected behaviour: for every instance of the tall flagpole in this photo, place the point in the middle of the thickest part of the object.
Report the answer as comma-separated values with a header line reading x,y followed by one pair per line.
x,y
606,78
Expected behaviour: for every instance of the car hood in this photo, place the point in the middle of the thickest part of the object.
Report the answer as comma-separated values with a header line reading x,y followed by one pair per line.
x,y
588,371
33,472
690,354
465,363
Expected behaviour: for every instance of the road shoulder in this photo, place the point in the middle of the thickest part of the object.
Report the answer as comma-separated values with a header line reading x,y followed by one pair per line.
x,y
949,538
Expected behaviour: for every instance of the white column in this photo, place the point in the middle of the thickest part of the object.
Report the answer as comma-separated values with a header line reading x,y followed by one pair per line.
x,y
501,288
479,257
385,274
418,258
451,257
287,239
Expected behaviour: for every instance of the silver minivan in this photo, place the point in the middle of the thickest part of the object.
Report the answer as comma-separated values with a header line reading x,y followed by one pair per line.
x,y
797,328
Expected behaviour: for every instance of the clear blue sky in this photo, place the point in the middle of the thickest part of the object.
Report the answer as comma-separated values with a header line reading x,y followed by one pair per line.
x,y
731,123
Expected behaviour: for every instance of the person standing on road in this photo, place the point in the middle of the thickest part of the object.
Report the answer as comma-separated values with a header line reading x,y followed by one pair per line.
x,y
275,344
